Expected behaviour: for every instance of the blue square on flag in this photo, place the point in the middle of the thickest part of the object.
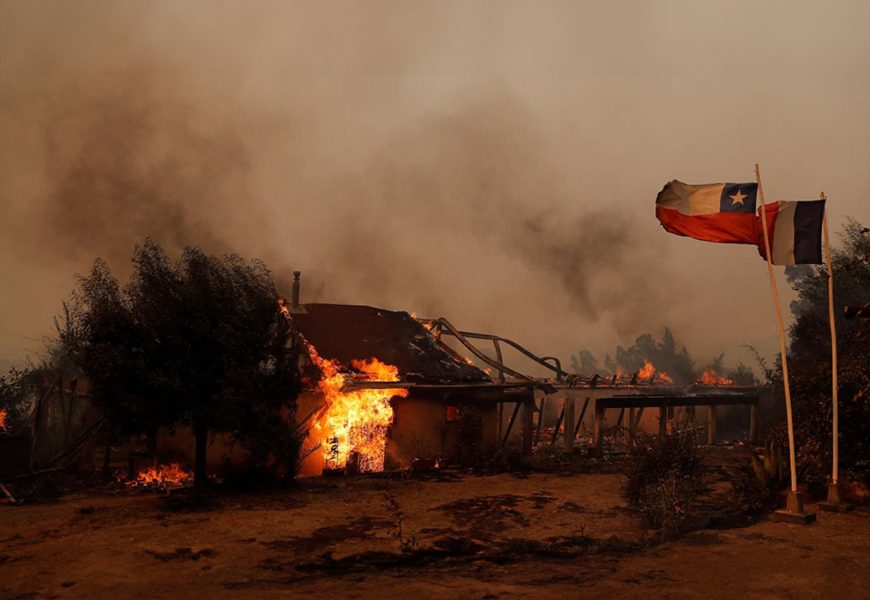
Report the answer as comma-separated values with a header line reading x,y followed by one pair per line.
x,y
738,197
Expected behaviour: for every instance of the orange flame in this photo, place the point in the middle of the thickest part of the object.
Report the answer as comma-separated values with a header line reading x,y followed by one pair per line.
x,y
649,373
283,308
711,377
355,421
3,419
162,476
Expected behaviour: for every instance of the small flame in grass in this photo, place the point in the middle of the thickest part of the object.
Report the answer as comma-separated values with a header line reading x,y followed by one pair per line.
x,y
3,420
162,476
648,373
711,377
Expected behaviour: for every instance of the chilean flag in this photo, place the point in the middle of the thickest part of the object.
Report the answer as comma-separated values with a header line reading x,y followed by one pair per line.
x,y
716,212
794,230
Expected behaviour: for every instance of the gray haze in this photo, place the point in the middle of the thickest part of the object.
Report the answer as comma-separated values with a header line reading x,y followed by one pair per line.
x,y
492,162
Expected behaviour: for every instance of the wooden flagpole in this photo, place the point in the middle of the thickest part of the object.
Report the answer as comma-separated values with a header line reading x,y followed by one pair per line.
x,y
781,326
835,471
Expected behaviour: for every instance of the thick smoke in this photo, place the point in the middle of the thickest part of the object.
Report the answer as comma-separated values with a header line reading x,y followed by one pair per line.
x,y
132,156
468,209
462,214
495,164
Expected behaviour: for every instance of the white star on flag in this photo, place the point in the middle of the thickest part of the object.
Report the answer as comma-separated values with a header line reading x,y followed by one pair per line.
x,y
738,198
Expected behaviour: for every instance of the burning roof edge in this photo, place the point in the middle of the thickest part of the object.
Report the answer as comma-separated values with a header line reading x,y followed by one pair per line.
x,y
347,332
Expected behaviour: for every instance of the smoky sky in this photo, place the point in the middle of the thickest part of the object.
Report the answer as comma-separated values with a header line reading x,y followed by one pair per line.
x,y
495,163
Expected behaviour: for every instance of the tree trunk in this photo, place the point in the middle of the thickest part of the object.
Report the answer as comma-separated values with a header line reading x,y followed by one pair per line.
x,y
107,457
200,472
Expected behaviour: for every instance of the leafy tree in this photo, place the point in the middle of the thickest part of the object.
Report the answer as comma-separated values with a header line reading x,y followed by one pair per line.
x,y
584,363
742,375
197,342
664,355
609,364
718,363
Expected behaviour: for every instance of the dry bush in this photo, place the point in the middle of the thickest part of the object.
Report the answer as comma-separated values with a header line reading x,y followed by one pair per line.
x,y
662,477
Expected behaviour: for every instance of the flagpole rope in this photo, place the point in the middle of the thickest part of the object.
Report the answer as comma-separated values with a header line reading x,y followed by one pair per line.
x,y
781,326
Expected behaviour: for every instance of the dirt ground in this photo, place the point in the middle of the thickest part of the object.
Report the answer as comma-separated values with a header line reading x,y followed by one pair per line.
x,y
455,536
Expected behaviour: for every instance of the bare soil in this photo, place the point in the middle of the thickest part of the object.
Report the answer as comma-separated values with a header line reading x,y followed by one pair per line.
x,y
454,536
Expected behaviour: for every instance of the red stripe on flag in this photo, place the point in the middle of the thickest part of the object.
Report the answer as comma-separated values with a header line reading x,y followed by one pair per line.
x,y
723,227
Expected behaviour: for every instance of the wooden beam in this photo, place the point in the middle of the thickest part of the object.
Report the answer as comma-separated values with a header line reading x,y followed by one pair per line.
x,y
582,414
511,424
568,437
638,417
753,424
711,425
558,424
638,401
598,426
528,425
540,419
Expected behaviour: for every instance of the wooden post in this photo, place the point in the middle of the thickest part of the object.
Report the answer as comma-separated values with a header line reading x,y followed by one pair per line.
x,y
663,420
511,424
582,414
781,327
568,436
629,431
711,425
753,424
64,413
558,425
540,419
835,470
44,391
598,426
528,424
835,493
107,457
638,417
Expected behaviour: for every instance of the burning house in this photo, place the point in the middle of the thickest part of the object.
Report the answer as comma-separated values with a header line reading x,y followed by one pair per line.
x,y
389,393
385,390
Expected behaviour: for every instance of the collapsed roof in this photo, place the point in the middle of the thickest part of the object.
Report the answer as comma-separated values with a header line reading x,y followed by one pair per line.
x,y
346,332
